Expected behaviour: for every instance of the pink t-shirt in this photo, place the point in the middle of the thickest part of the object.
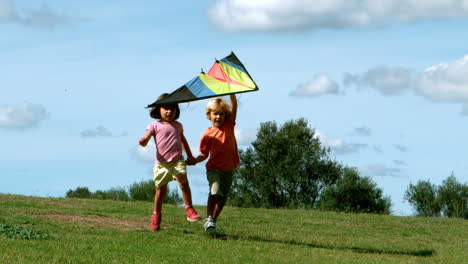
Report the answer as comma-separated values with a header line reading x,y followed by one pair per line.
x,y
167,136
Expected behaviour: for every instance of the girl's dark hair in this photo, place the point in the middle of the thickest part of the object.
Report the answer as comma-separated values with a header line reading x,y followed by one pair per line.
x,y
155,112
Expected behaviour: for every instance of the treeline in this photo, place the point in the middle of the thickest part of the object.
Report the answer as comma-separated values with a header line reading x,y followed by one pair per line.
x,y
138,191
449,199
287,167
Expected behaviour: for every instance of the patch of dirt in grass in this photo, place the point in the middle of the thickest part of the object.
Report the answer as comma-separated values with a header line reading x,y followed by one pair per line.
x,y
100,221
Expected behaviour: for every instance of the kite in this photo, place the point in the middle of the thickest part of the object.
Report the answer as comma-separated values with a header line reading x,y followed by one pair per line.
x,y
226,76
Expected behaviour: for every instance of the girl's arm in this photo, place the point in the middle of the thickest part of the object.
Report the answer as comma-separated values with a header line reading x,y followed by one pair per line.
x,y
145,139
186,147
233,107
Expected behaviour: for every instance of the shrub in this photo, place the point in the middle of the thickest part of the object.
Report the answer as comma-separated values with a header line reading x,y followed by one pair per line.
x,y
79,192
353,193
142,191
115,193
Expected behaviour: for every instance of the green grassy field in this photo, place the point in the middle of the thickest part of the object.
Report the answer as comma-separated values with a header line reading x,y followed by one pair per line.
x,y
58,230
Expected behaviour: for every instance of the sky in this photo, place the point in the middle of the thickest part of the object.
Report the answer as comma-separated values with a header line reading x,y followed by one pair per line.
x,y
383,82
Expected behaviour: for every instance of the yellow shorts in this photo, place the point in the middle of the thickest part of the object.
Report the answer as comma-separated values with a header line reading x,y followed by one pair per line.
x,y
167,172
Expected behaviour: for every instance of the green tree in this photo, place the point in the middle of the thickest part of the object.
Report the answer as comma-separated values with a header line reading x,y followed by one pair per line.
x,y
353,193
452,197
79,192
285,167
423,198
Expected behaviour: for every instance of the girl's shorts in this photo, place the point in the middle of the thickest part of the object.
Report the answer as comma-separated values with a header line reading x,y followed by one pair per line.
x,y
167,172
220,183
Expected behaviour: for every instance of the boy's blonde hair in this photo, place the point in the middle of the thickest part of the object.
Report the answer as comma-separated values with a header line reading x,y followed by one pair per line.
x,y
216,105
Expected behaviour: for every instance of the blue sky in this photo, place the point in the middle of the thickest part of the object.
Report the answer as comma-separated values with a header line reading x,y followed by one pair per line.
x,y
384,83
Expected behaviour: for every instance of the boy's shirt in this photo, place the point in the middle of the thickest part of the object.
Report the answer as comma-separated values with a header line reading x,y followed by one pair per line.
x,y
221,146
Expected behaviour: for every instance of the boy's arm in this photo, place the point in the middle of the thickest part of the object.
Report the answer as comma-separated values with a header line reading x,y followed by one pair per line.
x,y
233,107
201,158
145,139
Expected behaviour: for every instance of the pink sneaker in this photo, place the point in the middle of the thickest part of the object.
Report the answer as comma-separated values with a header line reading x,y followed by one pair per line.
x,y
192,215
155,222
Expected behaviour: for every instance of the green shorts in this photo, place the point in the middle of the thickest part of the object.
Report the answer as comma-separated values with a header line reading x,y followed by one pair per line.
x,y
167,172
220,183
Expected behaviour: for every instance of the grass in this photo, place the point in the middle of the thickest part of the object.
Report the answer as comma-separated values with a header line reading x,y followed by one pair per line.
x,y
58,230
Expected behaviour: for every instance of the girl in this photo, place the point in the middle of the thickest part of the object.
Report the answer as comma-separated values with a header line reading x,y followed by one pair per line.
x,y
169,139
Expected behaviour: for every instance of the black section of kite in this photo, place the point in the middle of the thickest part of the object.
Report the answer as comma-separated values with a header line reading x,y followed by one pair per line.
x,y
226,76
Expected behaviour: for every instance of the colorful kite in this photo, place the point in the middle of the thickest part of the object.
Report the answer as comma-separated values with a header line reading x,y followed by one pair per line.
x,y
226,76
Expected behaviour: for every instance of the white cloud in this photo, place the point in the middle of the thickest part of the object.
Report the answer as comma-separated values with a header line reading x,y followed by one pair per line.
x,y
145,154
400,162
22,116
386,80
338,146
447,81
362,131
465,109
7,11
321,84
277,15
245,136
401,148
100,131
44,17
381,170
444,82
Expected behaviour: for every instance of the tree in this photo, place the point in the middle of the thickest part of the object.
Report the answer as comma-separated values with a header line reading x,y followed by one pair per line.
x,y
423,198
353,193
79,192
452,197
449,199
285,167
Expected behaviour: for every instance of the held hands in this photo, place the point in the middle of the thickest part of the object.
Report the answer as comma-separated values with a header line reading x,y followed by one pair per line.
x,y
191,161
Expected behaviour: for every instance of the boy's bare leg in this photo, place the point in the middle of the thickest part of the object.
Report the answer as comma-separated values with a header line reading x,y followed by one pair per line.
x,y
212,202
217,210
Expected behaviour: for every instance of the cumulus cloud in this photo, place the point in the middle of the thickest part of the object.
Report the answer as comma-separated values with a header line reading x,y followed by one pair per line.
x,y
443,82
320,84
377,149
277,15
465,109
22,116
400,162
362,131
447,81
386,80
401,148
338,146
7,11
145,154
245,136
381,170
44,17
99,131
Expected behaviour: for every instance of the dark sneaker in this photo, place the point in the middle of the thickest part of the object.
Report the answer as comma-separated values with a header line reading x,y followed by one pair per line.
x,y
192,215
210,225
155,222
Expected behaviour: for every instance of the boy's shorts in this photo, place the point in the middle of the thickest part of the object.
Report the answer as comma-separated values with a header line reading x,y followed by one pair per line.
x,y
220,183
166,172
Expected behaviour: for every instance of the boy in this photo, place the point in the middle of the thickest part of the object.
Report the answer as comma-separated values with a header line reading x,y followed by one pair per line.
x,y
219,144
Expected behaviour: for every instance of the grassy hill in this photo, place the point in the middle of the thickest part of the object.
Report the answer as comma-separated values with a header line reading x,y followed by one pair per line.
x,y
59,230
